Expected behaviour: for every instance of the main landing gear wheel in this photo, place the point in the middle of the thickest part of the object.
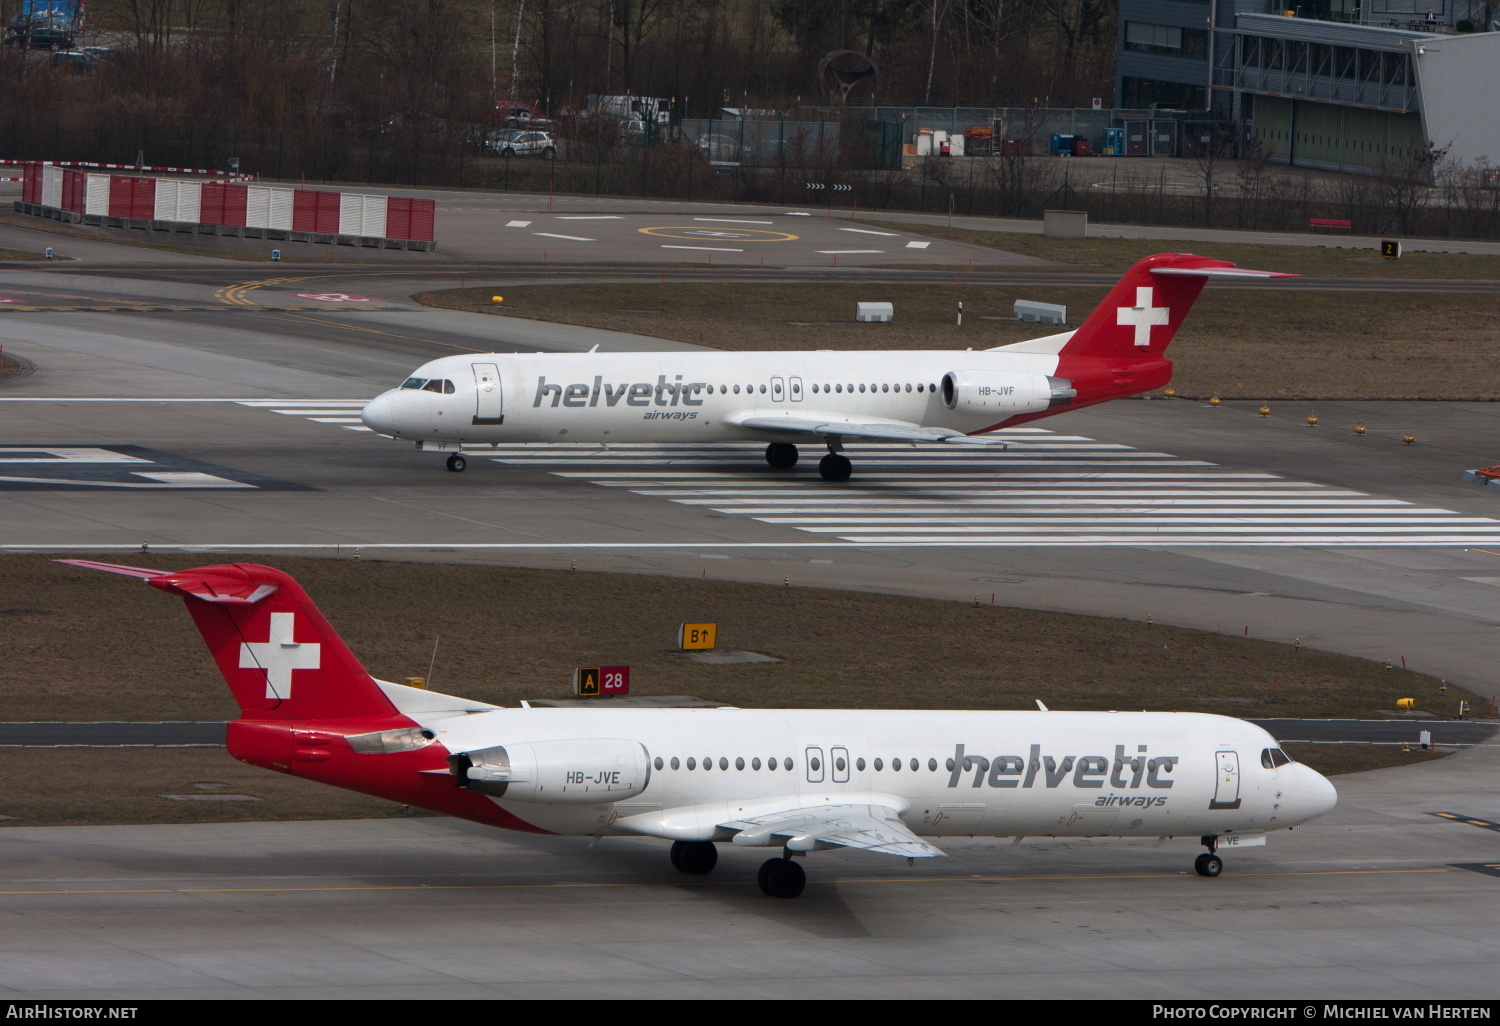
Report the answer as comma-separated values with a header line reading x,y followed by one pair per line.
x,y
697,858
1208,864
781,878
834,467
781,455
457,463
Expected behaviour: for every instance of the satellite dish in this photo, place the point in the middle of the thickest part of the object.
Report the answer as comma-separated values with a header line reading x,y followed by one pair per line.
x,y
841,71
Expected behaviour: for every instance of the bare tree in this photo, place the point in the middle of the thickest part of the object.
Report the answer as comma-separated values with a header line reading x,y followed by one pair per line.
x,y
1210,147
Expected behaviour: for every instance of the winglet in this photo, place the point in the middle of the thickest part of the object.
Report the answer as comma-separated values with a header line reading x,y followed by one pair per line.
x,y
1042,707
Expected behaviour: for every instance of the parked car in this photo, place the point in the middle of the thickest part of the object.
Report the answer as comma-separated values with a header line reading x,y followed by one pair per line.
x,y
514,114
25,31
515,142
75,60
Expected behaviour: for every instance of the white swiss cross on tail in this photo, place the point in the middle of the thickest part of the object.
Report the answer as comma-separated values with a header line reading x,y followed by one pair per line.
x,y
1143,316
279,655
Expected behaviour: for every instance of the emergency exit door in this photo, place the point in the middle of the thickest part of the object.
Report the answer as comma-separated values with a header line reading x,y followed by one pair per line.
x,y
489,400
1227,781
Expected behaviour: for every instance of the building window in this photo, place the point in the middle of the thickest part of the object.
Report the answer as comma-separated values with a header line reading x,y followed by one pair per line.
x,y
1141,93
1146,38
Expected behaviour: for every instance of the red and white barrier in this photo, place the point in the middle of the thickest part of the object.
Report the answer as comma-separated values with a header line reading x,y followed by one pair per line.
x,y
227,208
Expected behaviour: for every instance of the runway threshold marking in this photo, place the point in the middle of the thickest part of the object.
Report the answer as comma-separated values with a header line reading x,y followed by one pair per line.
x,y
709,883
1458,817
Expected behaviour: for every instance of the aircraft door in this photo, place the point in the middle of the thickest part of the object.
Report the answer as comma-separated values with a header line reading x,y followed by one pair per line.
x,y
778,390
489,400
839,757
814,759
796,389
1226,781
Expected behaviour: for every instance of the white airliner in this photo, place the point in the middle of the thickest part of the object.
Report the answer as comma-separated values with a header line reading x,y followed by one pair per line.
x,y
789,779
826,397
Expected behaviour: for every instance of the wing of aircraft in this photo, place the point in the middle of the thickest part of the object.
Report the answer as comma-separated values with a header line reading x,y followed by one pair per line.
x,y
834,426
865,827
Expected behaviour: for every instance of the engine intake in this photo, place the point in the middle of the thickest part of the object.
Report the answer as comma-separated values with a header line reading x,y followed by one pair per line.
x,y
573,772
1001,392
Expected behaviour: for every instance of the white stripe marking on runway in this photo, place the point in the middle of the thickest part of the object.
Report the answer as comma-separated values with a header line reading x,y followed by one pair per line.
x,y
570,238
709,249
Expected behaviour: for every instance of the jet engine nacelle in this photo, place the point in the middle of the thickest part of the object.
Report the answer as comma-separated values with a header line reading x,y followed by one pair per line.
x,y
573,772
1005,392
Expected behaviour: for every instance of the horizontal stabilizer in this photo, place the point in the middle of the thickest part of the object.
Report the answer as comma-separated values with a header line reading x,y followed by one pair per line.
x,y
115,568
211,584
1219,272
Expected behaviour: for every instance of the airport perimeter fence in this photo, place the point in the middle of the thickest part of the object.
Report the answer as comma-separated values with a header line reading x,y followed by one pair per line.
x,y
856,161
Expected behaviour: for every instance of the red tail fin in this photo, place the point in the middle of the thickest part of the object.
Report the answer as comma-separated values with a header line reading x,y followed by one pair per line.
x,y
1138,318
279,656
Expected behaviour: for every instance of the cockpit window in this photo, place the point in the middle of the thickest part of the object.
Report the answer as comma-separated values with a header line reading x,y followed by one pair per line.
x,y
441,385
413,382
1270,758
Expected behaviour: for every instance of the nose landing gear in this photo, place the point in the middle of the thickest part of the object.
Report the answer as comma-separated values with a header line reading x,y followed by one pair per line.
x,y
1209,863
457,463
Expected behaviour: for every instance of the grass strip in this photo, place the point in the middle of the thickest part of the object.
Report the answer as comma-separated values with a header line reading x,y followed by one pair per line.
x,y
1336,258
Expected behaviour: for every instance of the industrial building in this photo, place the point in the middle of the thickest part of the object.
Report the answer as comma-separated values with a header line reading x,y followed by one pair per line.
x,y
1337,84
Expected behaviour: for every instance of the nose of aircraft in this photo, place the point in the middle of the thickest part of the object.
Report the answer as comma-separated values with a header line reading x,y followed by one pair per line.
x,y
378,416
1321,795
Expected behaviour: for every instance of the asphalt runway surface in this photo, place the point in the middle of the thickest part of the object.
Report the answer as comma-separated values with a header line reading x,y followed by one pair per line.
x,y
205,430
